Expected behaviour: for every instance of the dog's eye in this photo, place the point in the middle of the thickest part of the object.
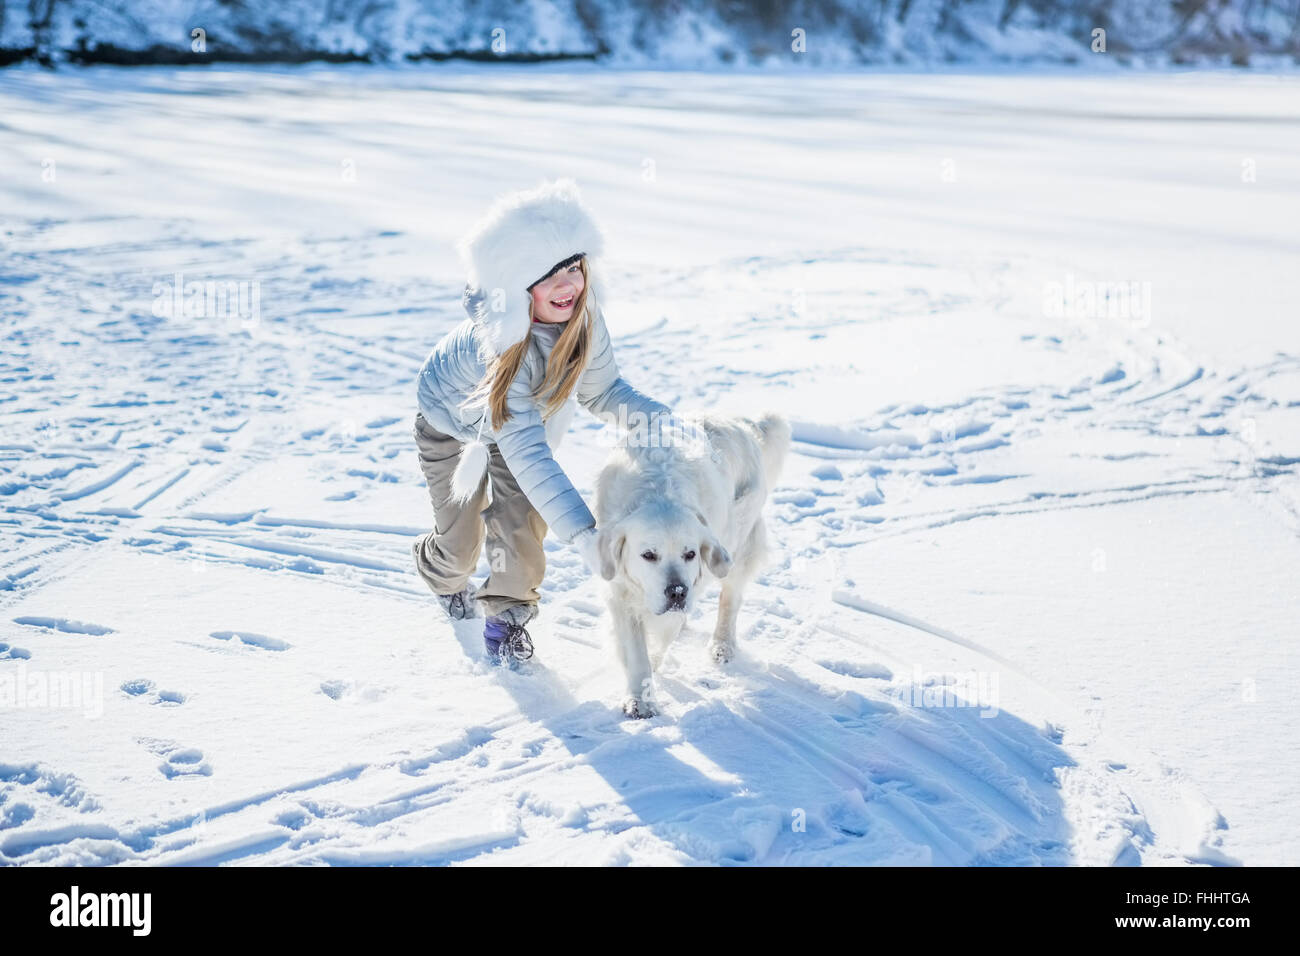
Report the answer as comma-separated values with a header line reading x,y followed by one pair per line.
x,y
649,555
689,555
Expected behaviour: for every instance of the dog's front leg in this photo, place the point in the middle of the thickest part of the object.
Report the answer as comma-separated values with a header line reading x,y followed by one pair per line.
x,y
630,641
723,646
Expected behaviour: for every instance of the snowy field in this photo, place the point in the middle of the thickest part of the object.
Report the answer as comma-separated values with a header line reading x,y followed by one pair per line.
x,y
1034,592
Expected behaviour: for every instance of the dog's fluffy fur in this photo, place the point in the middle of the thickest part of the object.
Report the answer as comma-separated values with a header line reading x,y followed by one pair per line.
x,y
670,518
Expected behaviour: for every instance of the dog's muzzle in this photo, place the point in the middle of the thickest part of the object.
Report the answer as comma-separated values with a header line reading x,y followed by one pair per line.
x,y
676,595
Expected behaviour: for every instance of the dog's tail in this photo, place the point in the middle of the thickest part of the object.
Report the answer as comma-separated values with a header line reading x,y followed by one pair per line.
x,y
774,437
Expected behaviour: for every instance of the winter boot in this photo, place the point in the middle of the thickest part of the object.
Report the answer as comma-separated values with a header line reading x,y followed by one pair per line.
x,y
505,637
460,606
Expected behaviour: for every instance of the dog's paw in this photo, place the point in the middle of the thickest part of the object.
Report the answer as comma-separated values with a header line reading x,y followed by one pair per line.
x,y
722,651
638,709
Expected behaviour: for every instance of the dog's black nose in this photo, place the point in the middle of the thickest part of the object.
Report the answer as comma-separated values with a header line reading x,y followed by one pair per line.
x,y
676,594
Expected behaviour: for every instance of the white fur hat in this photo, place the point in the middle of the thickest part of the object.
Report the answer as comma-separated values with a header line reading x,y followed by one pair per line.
x,y
522,239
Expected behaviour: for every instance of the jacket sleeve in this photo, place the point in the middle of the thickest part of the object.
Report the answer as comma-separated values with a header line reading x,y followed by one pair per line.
x,y
604,393
523,445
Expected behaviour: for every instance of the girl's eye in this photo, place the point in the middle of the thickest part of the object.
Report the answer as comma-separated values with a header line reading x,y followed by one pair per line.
x,y
574,268
689,555
649,555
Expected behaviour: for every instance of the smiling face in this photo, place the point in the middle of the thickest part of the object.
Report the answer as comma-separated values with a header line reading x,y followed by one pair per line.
x,y
661,555
555,296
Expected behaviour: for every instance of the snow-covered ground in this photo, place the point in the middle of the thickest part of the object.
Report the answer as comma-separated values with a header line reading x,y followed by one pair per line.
x,y
1081,525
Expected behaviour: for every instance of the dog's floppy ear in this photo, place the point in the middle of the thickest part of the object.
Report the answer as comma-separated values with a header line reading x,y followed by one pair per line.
x,y
609,545
715,556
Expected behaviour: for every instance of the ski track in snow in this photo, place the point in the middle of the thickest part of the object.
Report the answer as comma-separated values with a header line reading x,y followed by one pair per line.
x,y
283,453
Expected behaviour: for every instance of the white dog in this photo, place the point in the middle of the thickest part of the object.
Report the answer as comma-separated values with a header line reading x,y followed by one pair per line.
x,y
669,512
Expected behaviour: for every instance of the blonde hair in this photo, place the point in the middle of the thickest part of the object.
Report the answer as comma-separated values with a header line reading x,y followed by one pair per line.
x,y
564,366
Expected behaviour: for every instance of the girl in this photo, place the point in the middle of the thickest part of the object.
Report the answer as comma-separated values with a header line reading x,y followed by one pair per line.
x,y
496,395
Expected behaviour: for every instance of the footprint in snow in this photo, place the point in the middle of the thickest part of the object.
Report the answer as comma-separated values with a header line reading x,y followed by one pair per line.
x,y
11,653
186,762
15,815
178,761
340,689
334,689
253,640
856,669
63,624
294,818
144,688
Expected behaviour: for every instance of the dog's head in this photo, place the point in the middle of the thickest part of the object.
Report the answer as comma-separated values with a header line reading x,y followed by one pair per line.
x,y
660,551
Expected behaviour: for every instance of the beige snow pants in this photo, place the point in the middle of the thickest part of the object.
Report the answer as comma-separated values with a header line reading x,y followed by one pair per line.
x,y
514,531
